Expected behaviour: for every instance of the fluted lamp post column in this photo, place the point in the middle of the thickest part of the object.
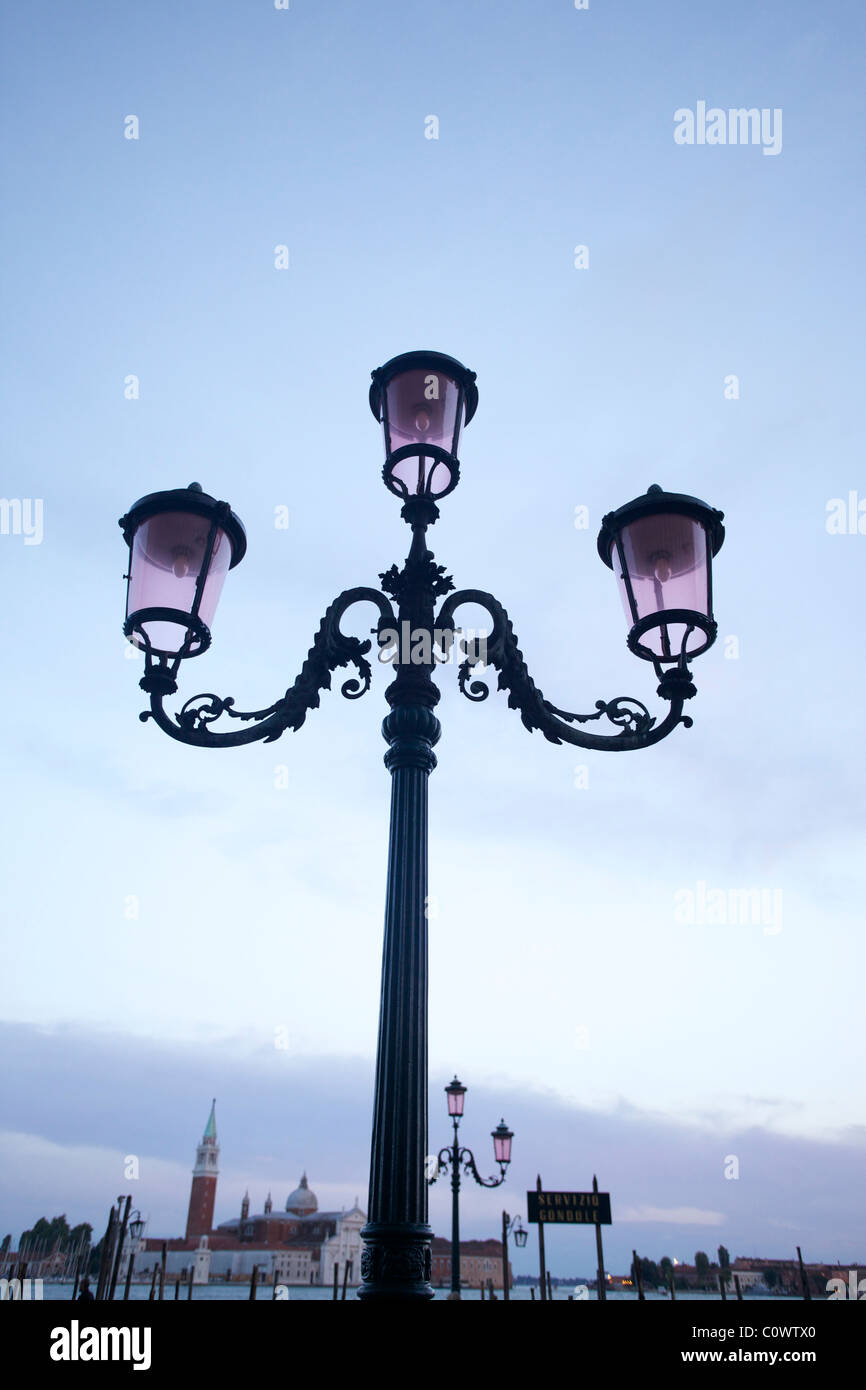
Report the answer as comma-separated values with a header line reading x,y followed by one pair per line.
x,y
181,544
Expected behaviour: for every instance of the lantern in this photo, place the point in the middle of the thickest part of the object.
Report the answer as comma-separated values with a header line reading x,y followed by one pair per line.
x,y
181,544
422,400
455,1093
660,547
502,1137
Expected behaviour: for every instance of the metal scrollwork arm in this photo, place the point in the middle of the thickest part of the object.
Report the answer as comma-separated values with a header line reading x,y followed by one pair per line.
x,y
331,648
637,727
466,1159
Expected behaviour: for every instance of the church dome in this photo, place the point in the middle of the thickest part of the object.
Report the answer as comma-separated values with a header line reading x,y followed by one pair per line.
x,y
302,1201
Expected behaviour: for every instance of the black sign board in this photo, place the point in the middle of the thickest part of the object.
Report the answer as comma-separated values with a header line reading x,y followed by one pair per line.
x,y
572,1208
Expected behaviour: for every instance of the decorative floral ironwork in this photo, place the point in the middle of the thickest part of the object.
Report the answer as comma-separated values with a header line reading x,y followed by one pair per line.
x,y
445,1160
332,648
637,727
415,588
420,574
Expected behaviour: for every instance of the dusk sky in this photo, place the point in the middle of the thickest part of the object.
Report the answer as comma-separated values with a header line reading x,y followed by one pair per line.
x,y
180,923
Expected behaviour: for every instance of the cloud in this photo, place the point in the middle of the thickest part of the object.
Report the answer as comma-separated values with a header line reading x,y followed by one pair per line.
x,y
76,1101
673,1216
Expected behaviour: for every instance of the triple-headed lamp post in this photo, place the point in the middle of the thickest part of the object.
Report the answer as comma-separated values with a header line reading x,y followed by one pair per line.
x,y
181,545
455,1156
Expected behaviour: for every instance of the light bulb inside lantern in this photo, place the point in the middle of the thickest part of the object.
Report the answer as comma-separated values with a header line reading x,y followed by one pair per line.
x,y
422,421
662,569
180,564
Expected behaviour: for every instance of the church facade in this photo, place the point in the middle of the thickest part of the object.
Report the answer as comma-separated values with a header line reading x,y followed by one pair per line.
x,y
296,1245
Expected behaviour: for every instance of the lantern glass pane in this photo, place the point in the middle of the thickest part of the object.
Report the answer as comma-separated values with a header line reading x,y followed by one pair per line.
x,y
455,1102
666,560
422,409
167,555
502,1147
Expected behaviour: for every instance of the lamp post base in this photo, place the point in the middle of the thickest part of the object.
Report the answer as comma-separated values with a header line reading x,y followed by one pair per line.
x,y
396,1263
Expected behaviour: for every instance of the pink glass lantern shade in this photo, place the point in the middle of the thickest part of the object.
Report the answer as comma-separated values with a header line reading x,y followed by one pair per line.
x,y
660,547
181,545
502,1137
455,1093
422,399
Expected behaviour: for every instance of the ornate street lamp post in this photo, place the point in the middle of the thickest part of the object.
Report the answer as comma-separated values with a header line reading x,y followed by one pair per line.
x,y
181,545
454,1156
510,1224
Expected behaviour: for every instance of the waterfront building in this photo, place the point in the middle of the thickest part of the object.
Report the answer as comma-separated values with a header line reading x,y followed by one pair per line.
x,y
480,1262
298,1245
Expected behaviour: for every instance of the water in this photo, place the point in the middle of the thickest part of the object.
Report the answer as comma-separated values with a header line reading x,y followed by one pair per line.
x,y
234,1293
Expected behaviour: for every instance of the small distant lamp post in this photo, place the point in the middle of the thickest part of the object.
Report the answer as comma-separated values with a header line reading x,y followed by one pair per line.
x,y
453,1156
510,1225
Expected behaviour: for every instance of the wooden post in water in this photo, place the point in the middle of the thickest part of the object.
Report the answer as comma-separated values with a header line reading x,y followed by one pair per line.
x,y
722,1289
671,1282
601,1284
189,1285
532,1294
345,1277
106,1254
739,1290
638,1278
253,1283
128,1276
81,1263
481,1286
162,1272
336,1279
807,1292
176,1287
549,1288
121,1237
153,1284
541,1265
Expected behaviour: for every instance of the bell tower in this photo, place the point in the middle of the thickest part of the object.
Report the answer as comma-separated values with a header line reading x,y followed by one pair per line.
x,y
199,1221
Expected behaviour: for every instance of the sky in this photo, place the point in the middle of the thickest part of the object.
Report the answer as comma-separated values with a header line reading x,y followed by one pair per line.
x,y
179,923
